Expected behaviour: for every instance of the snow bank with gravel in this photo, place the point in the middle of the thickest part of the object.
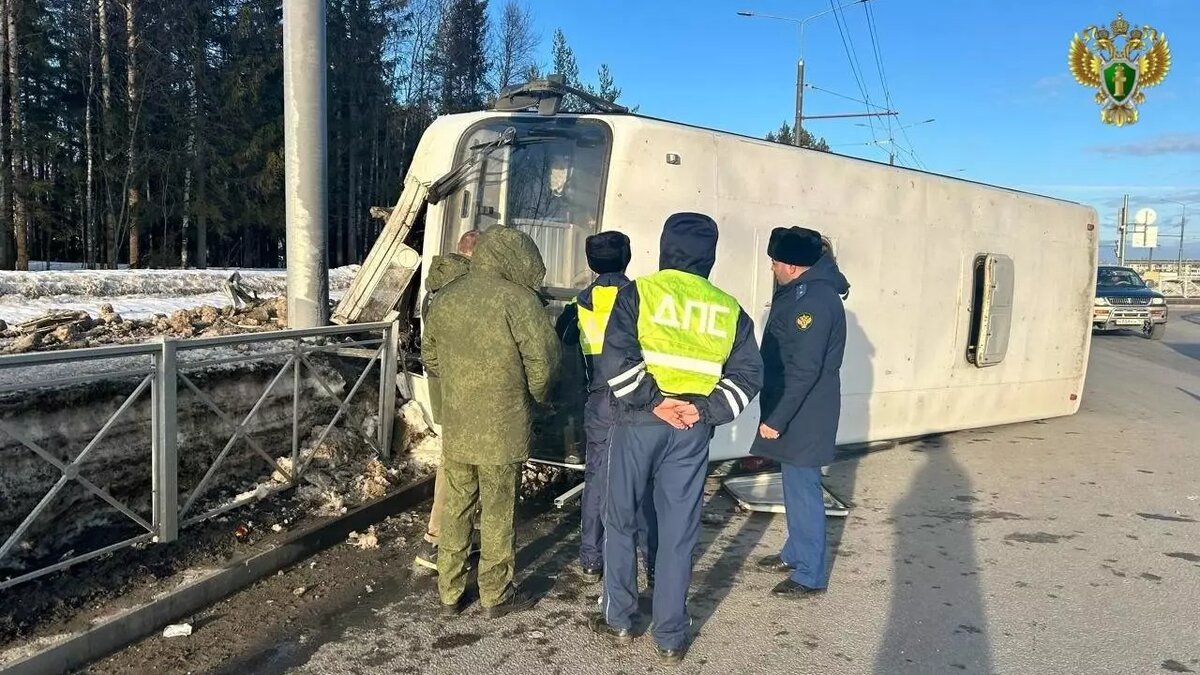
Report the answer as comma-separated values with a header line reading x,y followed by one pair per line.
x,y
138,293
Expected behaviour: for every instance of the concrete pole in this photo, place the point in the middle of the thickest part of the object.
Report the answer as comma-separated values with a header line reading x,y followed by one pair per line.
x,y
1121,231
799,101
305,146
1179,262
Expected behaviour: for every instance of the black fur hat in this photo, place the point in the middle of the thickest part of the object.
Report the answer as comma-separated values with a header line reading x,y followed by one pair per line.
x,y
795,246
607,252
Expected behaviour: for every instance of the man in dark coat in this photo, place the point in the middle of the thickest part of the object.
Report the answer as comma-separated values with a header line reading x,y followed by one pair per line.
x,y
802,349
582,324
681,360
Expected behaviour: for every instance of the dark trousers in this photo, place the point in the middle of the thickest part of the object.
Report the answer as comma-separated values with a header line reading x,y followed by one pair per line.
x,y
666,465
598,427
805,505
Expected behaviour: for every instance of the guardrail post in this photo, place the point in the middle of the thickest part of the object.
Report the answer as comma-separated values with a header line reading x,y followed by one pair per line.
x,y
388,359
165,464
297,352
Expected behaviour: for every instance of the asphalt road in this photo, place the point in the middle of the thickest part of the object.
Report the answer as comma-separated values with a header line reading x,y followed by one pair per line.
x,y
1065,546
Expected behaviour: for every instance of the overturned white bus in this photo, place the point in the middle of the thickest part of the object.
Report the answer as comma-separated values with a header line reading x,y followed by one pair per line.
x,y
970,305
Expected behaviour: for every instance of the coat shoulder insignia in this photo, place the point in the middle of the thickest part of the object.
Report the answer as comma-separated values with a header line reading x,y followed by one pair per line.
x,y
801,290
804,321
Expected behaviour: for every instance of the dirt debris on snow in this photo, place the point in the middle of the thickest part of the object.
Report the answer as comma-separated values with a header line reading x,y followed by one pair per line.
x,y
73,329
366,541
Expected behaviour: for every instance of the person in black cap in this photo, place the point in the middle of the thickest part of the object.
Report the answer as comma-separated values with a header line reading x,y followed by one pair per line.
x,y
802,350
583,323
681,359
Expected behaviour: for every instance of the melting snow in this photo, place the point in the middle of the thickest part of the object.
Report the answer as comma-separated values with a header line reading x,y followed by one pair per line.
x,y
136,294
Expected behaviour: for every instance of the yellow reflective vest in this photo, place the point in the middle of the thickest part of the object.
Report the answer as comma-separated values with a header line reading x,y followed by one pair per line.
x,y
592,322
686,327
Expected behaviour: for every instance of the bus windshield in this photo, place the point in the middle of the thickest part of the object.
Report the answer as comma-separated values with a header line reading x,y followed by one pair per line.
x,y
548,182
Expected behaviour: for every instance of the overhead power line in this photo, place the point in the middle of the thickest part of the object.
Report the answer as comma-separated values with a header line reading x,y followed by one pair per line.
x,y
887,94
848,98
852,58
883,79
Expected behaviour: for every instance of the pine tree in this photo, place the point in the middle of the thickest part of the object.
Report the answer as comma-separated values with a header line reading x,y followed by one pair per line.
x,y
20,181
459,61
563,63
606,87
8,254
786,136
132,114
563,58
154,130
515,44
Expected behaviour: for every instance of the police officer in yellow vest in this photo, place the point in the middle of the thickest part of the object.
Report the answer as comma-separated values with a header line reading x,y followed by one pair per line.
x,y
681,359
583,322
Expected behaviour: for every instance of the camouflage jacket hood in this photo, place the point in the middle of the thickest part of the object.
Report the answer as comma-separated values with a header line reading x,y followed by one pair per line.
x,y
492,347
446,268
511,255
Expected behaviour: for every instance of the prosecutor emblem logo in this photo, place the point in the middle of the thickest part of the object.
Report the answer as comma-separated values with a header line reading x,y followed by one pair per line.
x,y
1120,64
804,321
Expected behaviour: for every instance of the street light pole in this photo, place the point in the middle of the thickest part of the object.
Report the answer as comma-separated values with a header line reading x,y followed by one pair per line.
x,y
1183,279
1121,230
1187,277
799,100
891,141
800,62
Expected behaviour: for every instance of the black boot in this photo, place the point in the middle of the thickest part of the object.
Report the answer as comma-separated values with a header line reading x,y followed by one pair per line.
x,y
618,636
774,563
670,657
591,574
573,456
515,602
427,557
790,589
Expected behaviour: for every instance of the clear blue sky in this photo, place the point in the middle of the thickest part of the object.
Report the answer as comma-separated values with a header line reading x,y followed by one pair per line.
x,y
993,75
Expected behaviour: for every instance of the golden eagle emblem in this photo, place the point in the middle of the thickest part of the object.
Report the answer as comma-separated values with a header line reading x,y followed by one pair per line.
x,y
1119,72
804,320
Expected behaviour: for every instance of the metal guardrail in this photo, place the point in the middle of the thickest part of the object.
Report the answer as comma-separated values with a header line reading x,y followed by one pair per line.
x,y
163,367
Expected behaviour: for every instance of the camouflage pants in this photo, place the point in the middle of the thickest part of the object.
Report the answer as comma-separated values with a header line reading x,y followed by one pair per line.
x,y
494,490
433,531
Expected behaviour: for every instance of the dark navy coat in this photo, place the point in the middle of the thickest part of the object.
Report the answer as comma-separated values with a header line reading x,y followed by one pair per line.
x,y
802,349
687,245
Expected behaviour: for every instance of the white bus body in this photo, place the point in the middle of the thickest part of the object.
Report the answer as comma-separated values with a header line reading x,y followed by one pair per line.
x,y
908,241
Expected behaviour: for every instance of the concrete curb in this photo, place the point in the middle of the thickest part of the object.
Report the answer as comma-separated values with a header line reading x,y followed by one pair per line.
x,y
106,638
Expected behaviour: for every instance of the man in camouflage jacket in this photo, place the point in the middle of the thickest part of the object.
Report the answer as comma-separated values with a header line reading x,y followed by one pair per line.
x,y
442,270
490,341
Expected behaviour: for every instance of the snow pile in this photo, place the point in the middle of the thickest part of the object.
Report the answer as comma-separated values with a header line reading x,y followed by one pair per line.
x,y
138,293
73,329
420,441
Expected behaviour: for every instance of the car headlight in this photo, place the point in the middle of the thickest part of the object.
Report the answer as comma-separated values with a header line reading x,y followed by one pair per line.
x,y
1157,301
1101,302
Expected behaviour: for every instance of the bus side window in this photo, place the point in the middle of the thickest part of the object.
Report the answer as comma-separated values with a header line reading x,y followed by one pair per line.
x,y
991,309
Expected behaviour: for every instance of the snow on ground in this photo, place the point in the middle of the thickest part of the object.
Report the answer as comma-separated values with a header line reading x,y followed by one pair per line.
x,y
26,377
137,294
